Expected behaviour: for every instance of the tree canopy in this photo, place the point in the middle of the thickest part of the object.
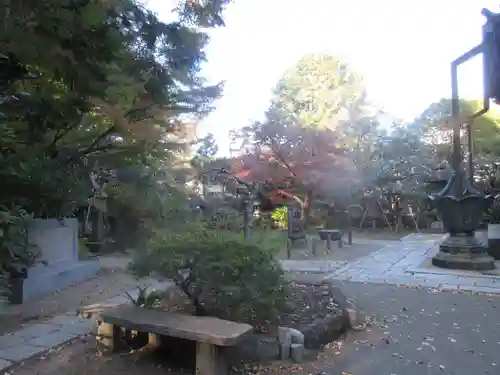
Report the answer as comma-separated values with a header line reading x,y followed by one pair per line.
x,y
95,83
318,92
301,145
97,99
485,129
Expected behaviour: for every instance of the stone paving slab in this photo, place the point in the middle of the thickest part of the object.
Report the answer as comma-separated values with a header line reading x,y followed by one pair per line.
x,y
4,364
403,264
36,330
21,352
426,267
53,339
10,340
37,338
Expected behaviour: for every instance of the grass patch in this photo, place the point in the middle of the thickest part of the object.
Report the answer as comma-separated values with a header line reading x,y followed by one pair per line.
x,y
272,240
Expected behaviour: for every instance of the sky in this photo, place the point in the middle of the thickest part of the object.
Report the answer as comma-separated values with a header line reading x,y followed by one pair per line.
x,y
403,49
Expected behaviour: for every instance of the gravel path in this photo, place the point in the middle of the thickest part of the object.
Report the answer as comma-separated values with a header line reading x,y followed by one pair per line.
x,y
415,332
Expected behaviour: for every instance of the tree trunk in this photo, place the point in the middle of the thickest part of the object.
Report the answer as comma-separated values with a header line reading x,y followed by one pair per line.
x,y
306,209
247,217
4,12
183,285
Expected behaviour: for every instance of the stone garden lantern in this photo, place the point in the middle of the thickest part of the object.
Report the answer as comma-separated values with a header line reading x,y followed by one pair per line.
x,y
460,204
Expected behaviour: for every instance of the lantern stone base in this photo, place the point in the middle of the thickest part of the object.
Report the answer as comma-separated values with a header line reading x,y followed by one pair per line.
x,y
463,252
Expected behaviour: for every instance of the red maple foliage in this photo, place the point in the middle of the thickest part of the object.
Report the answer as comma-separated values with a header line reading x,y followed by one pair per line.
x,y
297,171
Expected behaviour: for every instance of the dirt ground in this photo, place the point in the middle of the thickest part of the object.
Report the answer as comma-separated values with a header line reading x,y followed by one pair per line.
x,y
109,283
81,358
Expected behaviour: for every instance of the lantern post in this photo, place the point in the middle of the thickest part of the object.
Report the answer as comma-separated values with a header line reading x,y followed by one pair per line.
x,y
460,204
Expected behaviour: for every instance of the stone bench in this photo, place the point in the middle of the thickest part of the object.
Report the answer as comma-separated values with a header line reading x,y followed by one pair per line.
x,y
211,334
330,235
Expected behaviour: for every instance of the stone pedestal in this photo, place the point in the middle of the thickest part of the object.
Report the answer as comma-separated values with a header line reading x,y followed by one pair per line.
x,y
461,205
57,242
464,252
494,240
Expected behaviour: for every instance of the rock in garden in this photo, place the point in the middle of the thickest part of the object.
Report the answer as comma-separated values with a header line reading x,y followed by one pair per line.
x,y
284,351
315,313
296,336
285,336
285,339
355,318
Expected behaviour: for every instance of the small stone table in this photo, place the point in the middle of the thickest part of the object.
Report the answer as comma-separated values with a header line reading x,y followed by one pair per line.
x,y
330,235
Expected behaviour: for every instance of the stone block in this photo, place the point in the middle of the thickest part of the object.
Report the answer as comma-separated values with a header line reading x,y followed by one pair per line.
x,y
268,349
257,347
297,352
284,351
297,336
57,242
356,319
53,277
20,352
209,360
284,336
285,340
323,331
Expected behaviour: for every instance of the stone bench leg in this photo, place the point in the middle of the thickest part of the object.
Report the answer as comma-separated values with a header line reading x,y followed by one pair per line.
x,y
154,341
329,243
210,360
109,338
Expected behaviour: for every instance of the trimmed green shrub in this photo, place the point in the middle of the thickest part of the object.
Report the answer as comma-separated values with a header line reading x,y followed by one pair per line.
x,y
223,275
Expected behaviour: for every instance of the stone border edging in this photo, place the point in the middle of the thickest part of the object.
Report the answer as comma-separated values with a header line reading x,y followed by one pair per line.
x,y
352,317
